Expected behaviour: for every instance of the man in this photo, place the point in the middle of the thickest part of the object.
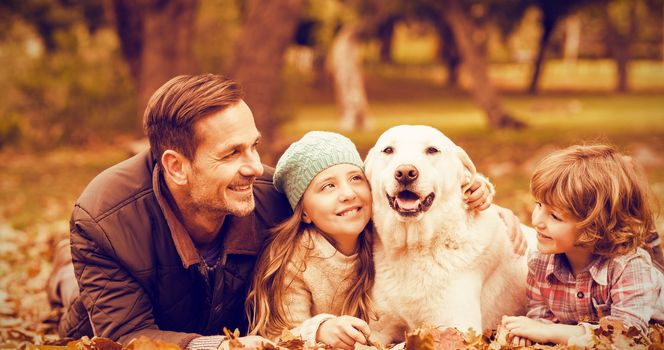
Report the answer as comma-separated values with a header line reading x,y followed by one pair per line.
x,y
164,243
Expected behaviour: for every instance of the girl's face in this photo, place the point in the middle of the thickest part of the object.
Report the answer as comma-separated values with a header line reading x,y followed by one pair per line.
x,y
338,202
556,233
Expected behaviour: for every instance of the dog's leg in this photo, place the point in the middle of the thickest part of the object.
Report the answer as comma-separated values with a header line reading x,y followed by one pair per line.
x,y
461,306
387,329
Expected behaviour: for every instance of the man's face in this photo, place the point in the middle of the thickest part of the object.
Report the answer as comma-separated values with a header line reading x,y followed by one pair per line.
x,y
226,162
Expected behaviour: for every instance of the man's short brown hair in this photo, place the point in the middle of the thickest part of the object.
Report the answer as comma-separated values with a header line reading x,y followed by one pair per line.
x,y
176,106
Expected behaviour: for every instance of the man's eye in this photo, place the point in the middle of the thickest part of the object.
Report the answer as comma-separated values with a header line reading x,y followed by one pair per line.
x,y
230,154
432,150
388,150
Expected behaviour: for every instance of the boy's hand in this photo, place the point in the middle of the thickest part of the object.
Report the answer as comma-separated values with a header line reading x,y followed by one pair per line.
x,y
480,194
343,332
513,224
522,327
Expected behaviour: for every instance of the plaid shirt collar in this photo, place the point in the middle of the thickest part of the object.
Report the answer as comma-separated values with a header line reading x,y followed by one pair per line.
x,y
558,267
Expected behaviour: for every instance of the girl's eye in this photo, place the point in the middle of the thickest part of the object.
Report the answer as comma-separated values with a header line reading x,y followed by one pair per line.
x,y
357,178
388,150
556,217
327,186
432,150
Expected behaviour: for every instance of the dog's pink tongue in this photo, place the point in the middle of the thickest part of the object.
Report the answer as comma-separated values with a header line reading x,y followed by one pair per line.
x,y
408,204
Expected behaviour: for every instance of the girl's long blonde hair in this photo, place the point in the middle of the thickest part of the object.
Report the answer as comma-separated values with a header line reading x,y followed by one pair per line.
x,y
264,305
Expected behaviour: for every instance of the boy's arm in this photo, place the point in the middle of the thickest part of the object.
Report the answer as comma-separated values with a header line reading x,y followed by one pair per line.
x,y
538,308
633,293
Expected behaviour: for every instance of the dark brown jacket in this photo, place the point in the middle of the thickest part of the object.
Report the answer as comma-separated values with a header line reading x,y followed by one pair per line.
x,y
139,272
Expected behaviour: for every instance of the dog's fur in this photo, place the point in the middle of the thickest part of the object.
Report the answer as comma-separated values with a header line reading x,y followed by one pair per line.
x,y
441,266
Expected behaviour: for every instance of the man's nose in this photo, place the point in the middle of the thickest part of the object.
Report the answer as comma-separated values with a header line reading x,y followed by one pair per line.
x,y
252,166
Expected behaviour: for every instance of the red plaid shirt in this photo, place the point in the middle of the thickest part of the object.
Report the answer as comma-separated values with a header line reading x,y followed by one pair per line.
x,y
626,288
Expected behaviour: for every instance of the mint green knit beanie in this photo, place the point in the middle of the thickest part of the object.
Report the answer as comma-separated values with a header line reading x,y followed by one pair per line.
x,y
305,158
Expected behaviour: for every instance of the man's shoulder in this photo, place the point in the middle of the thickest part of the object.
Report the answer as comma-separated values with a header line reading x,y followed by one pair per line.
x,y
119,185
271,206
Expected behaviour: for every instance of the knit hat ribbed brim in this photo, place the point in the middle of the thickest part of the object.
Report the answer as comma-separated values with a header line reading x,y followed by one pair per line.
x,y
305,158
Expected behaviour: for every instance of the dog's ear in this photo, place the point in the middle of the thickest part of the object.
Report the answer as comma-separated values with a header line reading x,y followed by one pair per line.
x,y
368,162
469,170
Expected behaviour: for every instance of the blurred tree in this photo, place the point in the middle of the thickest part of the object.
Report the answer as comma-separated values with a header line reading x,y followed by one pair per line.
x,y
268,29
553,11
345,65
474,57
621,30
51,18
155,39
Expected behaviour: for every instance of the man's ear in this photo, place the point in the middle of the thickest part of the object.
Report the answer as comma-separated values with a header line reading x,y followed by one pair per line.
x,y
469,170
176,167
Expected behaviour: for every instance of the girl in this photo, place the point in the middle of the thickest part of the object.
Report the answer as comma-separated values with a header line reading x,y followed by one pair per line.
x,y
318,264
591,215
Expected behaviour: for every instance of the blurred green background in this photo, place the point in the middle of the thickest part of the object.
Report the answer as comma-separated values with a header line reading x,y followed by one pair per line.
x,y
75,76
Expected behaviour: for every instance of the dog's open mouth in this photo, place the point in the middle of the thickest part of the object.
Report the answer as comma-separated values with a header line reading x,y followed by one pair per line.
x,y
409,203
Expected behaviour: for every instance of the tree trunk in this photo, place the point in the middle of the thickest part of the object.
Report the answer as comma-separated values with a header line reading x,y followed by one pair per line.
x,y
448,52
259,55
548,24
619,45
386,35
476,64
155,39
345,65
572,39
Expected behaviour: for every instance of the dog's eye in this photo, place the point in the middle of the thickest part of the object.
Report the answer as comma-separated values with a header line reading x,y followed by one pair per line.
x,y
432,150
388,150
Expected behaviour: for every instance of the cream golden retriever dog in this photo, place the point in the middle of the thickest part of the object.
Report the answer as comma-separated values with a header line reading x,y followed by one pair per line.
x,y
436,263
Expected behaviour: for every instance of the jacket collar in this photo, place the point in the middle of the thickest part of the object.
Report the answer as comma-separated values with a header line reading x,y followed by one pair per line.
x,y
240,233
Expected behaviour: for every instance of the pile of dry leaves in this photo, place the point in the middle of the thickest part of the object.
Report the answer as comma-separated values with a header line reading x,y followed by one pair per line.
x,y
26,318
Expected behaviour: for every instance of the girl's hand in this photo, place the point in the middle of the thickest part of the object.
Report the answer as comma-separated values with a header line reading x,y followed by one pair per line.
x,y
522,328
343,332
480,194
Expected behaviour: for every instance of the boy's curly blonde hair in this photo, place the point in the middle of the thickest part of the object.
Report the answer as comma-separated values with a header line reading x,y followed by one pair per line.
x,y
600,188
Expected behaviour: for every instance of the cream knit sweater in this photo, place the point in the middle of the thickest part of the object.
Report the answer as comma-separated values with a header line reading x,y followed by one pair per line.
x,y
317,279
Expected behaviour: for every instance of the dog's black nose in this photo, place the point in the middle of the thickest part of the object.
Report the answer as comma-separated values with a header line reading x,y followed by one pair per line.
x,y
406,174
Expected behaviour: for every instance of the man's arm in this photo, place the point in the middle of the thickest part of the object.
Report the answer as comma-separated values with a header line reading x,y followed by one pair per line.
x,y
117,305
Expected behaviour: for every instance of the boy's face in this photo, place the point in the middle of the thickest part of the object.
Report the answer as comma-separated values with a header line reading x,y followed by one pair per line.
x,y
556,233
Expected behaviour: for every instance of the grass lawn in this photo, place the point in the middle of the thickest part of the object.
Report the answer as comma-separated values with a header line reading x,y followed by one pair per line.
x,y
38,190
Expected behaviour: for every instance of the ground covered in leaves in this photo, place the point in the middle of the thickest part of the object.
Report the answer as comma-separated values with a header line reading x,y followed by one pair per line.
x,y
26,320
